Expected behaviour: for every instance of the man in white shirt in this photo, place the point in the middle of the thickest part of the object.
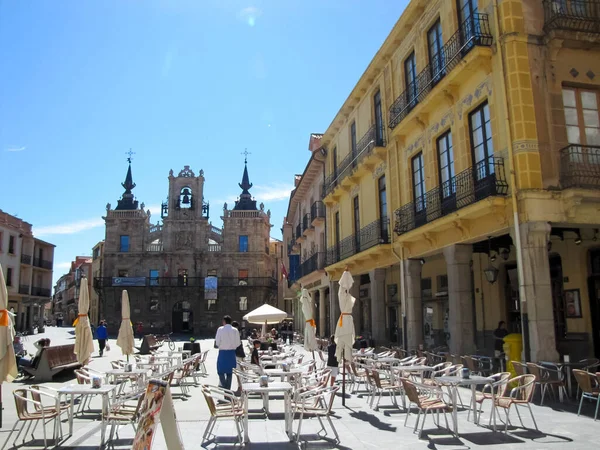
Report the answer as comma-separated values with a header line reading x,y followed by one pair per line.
x,y
226,340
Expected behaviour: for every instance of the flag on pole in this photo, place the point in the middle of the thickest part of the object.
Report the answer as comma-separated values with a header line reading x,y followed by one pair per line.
x,y
284,273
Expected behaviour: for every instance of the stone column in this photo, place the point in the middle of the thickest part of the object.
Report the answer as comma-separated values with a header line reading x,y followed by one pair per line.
x,y
414,306
322,327
334,305
460,299
378,324
537,304
357,311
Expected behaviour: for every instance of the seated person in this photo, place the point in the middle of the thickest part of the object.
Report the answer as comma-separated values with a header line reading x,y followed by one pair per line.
x,y
19,349
274,334
254,334
254,358
32,362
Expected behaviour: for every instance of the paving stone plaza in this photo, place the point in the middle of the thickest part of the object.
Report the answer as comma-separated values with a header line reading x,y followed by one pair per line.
x,y
359,426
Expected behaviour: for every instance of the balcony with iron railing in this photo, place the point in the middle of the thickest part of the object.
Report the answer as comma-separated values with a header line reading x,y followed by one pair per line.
x,y
307,225
42,263
312,264
26,259
473,32
299,236
293,247
182,281
317,213
485,179
357,158
376,233
580,166
24,289
41,292
572,15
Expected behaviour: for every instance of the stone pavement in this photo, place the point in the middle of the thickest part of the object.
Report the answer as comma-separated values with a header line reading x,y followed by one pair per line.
x,y
359,426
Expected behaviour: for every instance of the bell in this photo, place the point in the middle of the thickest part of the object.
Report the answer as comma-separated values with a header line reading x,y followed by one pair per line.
x,y
186,199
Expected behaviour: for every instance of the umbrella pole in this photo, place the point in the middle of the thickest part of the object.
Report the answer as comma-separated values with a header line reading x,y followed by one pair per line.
x,y
344,377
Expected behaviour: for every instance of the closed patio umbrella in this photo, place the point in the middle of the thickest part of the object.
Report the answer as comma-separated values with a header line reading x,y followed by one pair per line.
x,y
8,363
125,337
84,345
344,332
310,327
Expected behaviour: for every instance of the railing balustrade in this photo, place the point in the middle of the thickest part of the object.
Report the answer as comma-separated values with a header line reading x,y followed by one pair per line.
x,y
580,166
474,31
484,180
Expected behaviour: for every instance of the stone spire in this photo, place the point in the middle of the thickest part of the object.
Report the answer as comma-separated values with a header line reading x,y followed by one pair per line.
x,y
245,203
127,201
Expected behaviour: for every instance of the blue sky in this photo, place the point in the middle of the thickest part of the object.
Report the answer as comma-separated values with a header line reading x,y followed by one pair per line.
x,y
181,82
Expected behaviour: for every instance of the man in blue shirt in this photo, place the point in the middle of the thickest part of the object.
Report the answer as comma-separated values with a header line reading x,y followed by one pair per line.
x,y
102,336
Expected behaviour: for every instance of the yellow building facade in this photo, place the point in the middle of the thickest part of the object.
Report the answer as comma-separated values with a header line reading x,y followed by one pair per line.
x,y
463,179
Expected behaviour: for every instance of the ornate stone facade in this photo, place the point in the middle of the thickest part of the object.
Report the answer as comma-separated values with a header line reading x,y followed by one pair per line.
x,y
184,274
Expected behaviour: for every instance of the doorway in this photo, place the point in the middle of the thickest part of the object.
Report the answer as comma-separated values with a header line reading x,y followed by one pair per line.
x,y
594,295
182,318
558,298
393,323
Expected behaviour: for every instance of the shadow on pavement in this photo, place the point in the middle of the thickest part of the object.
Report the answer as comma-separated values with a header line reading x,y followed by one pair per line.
x,y
373,420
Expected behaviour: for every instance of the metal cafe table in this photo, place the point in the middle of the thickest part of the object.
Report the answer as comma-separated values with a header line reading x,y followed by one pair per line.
x,y
87,389
473,381
273,387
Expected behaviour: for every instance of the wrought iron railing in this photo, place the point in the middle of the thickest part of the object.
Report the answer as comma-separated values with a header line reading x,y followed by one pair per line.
x,y
26,259
317,211
41,292
197,282
474,31
373,234
306,222
24,289
485,179
42,263
312,264
291,246
580,166
364,147
574,15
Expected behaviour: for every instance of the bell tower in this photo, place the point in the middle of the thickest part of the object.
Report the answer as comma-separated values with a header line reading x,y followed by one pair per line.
x,y
186,199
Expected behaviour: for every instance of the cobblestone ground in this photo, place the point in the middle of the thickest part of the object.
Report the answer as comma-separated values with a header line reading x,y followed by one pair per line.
x,y
359,426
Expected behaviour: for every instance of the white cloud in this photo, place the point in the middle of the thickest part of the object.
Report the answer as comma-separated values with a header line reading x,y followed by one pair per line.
x,y
83,225
63,265
273,193
249,15
16,149
69,228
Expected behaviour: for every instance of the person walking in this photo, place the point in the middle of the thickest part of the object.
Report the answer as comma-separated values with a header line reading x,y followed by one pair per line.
x,y
332,362
226,340
240,354
102,336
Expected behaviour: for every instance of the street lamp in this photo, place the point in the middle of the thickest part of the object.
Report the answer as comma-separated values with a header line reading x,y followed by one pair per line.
x,y
491,273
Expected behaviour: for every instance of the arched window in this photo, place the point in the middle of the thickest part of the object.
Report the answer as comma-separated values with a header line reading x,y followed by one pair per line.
x,y
185,198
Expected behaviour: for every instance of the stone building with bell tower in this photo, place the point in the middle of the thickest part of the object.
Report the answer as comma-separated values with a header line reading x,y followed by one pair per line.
x,y
182,273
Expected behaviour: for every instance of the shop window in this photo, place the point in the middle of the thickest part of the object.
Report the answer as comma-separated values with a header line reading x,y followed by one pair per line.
x,y
243,303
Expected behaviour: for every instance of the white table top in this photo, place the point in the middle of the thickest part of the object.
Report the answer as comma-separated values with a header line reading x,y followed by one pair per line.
x,y
78,389
274,386
473,379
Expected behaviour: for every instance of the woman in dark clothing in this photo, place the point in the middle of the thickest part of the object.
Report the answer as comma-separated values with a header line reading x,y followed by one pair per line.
x,y
254,358
332,362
